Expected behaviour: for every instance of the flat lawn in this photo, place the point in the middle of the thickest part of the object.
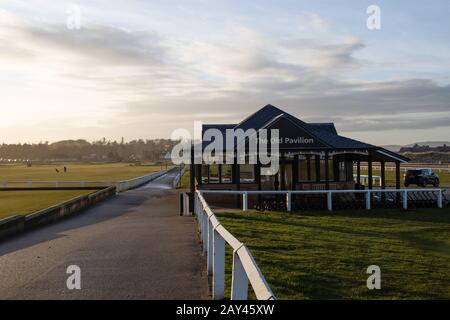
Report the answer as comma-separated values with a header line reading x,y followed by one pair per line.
x,y
321,255
185,180
444,177
107,171
25,202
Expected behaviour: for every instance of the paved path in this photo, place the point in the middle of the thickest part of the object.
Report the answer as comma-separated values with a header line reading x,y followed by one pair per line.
x,y
134,246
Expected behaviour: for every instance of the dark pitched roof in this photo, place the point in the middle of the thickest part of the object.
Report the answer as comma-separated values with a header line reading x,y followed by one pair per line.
x,y
260,118
339,142
323,132
329,127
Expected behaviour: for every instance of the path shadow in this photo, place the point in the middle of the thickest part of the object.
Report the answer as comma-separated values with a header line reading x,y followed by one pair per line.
x,y
121,204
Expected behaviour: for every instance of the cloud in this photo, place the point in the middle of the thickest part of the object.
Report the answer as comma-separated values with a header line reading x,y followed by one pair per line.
x,y
139,77
388,122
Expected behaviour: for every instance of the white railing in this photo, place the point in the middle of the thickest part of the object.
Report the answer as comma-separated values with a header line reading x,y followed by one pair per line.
x,y
244,270
365,179
136,182
121,185
329,193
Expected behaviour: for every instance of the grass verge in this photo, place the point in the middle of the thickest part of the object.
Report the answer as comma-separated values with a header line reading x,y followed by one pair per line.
x,y
25,202
317,255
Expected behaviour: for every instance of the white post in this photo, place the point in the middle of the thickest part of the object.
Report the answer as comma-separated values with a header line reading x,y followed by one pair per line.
x,y
405,199
239,280
244,201
439,199
288,201
218,285
368,200
210,249
329,201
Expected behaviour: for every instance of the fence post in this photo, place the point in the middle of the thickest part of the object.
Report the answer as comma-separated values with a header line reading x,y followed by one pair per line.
x,y
329,201
368,200
288,201
244,201
218,277
439,199
210,249
239,280
405,199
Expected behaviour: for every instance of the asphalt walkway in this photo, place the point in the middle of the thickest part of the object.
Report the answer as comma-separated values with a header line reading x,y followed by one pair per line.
x,y
133,246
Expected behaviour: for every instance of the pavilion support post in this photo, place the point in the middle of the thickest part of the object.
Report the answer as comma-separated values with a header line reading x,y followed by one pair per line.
x,y
317,159
336,168
192,181
370,172
397,182
397,175
308,167
258,175
258,180
327,172
358,172
238,184
383,180
294,179
220,173
199,174
295,172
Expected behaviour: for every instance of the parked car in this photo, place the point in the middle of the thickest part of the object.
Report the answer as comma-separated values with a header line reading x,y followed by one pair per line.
x,y
421,177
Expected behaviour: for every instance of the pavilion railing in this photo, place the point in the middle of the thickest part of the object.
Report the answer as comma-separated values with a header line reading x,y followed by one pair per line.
x,y
343,199
214,236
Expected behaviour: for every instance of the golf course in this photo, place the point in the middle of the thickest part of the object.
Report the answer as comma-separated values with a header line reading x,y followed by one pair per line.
x,y
15,202
325,255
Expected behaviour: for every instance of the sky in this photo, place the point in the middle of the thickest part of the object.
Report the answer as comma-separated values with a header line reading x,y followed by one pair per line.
x,y
141,69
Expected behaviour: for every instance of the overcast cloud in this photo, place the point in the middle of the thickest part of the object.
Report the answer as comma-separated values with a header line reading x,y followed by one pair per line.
x,y
112,79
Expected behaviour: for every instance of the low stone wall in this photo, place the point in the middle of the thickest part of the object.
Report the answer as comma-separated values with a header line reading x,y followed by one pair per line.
x,y
16,224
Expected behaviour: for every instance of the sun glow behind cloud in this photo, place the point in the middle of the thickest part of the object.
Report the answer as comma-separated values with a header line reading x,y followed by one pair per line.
x,y
158,66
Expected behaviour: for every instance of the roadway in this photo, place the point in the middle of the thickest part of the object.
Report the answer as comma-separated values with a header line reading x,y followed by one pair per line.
x,y
133,246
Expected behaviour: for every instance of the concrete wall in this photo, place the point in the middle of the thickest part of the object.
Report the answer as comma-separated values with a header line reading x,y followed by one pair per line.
x,y
16,224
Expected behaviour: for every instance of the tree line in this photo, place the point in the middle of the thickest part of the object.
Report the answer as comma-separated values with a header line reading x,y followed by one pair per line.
x,y
82,150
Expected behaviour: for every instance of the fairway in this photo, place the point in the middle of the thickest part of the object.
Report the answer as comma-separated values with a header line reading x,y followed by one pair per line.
x,y
325,255
25,202
107,171
444,177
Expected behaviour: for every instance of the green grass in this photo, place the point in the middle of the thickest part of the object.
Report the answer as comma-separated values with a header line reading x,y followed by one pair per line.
x,y
107,171
25,202
325,255
444,177
185,183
